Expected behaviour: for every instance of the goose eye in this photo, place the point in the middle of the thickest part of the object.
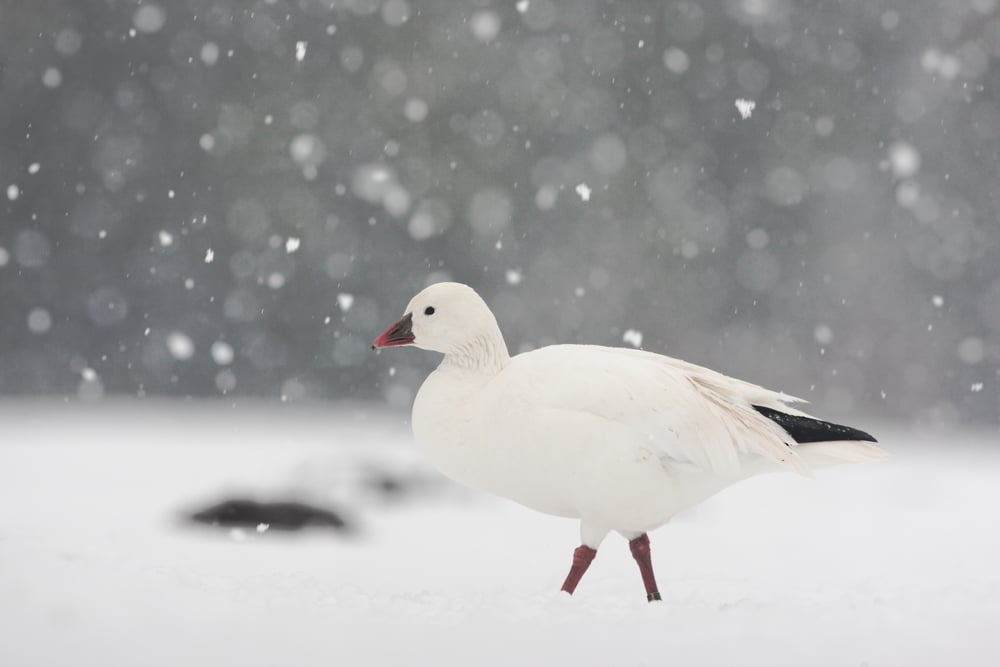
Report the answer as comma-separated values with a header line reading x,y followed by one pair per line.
x,y
429,310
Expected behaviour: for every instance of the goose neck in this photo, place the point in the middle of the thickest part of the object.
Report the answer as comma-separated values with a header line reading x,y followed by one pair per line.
x,y
484,354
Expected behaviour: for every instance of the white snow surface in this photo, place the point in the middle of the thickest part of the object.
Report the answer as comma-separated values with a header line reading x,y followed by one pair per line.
x,y
894,563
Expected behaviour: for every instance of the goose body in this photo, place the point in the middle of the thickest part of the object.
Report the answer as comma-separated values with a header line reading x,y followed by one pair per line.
x,y
620,439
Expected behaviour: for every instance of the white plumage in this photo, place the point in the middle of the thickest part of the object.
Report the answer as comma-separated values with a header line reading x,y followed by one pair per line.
x,y
620,439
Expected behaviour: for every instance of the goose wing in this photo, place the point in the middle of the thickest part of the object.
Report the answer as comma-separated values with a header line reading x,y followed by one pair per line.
x,y
683,412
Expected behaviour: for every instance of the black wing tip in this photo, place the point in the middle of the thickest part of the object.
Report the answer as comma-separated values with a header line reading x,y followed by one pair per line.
x,y
863,435
807,429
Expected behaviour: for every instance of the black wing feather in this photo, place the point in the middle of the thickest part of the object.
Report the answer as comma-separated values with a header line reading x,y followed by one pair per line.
x,y
807,429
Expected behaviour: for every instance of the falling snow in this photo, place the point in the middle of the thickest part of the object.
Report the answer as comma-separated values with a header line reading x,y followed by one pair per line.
x,y
149,18
485,25
345,301
39,320
209,53
632,337
745,107
222,353
823,334
180,345
591,156
52,77
904,159
676,60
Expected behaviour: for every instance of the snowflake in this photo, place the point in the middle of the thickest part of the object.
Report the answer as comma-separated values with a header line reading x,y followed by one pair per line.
x,y
745,107
633,337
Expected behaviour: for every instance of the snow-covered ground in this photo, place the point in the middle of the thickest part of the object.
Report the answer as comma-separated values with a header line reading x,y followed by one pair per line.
x,y
887,564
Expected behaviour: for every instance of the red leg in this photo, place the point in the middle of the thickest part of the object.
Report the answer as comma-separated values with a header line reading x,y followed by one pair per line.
x,y
581,561
640,551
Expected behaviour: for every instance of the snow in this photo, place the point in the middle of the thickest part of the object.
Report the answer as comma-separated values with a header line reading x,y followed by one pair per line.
x,y
39,320
209,53
633,337
942,64
180,345
52,77
676,60
890,20
608,154
376,183
546,197
745,107
904,159
222,353
307,150
485,25
823,334
395,12
860,566
149,18
758,238
888,564
972,350
68,42
345,301
415,110
490,211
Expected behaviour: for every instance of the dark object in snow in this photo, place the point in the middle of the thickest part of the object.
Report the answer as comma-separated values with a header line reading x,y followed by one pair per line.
x,y
282,515
390,486
807,429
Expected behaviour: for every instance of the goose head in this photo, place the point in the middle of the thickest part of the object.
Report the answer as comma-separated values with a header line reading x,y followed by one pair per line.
x,y
444,317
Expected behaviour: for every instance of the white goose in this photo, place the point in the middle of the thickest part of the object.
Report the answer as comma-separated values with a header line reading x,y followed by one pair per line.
x,y
618,438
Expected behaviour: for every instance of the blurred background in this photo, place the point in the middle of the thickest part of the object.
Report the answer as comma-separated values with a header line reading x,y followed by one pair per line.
x,y
206,198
